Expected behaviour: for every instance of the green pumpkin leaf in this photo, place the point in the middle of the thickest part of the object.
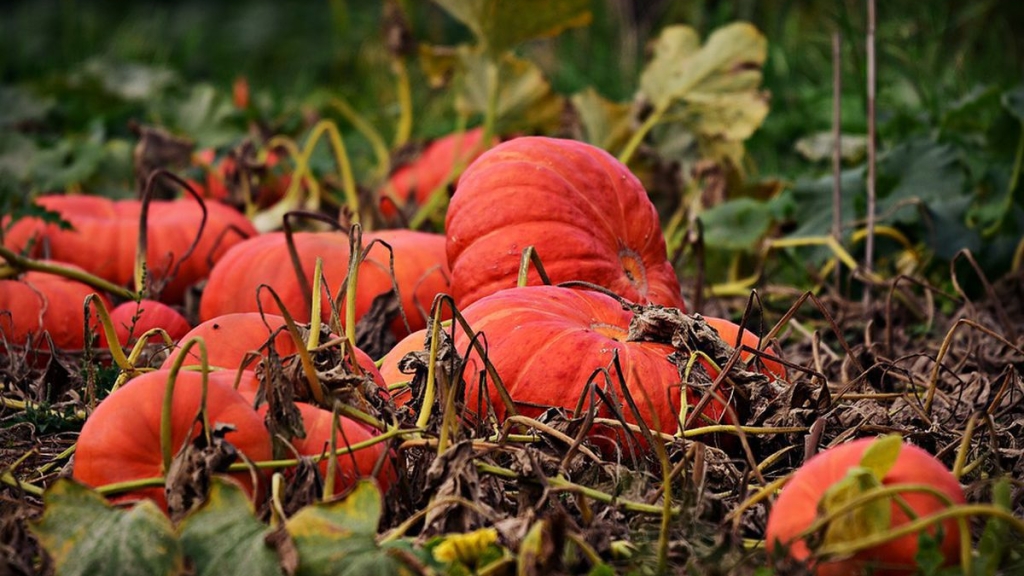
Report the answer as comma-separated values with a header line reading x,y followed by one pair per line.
x,y
1013,102
881,455
500,25
223,536
864,520
718,78
736,224
606,124
526,101
992,545
85,535
339,538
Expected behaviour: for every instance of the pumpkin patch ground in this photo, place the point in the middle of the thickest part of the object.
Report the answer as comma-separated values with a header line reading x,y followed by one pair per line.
x,y
499,295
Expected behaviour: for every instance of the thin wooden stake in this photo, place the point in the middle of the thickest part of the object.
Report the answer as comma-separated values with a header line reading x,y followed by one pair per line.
x,y
869,245
837,140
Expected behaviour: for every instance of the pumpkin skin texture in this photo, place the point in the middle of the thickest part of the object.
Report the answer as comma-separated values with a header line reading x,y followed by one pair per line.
x,y
588,217
106,232
351,466
415,181
728,331
133,319
121,439
546,341
420,271
796,508
231,337
39,302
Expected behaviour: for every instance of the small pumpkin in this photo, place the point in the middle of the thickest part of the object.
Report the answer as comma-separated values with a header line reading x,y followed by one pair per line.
x,y
396,380
120,441
588,217
38,302
420,272
105,236
545,342
351,466
442,160
133,319
798,505
728,331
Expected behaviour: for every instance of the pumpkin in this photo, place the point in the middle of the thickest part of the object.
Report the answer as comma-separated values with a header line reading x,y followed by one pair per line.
x,y
38,302
441,161
546,341
351,466
796,508
133,319
420,272
230,338
587,216
106,231
120,441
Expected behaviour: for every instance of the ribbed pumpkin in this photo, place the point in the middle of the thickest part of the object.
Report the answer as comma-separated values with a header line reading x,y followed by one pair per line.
x,y
546,341
121,439
442,160
231,337
38,302
588,217
420,271
106,231
728,332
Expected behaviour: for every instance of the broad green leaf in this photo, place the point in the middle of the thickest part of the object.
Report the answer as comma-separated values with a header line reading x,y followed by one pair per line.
x,y
85,535
881,455
992,544
813,202
71,161
206,117
526,102
1013,102
128,81
606,124
18,105
681,69
869,518
339,538
712,90
500,25
224,537
16,154
820,146
736,224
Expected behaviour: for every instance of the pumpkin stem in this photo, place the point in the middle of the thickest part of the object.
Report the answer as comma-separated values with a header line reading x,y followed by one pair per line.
x,y
530,255
166,408
293,252
364,127
139,272
355,258
116,351
314,308
23,263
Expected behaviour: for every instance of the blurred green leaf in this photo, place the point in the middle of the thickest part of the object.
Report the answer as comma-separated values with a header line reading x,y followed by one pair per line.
x,y
526,102
85,535
129,81
339,538
207,117
881,455
224,537
736,224
866,519
820,147
71,161
19,105
1013,102
606,124
16,154
500,25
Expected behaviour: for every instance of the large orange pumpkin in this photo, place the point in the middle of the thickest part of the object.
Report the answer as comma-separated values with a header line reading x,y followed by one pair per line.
x,y
545,343
106,231
589,218
420,272
121,439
